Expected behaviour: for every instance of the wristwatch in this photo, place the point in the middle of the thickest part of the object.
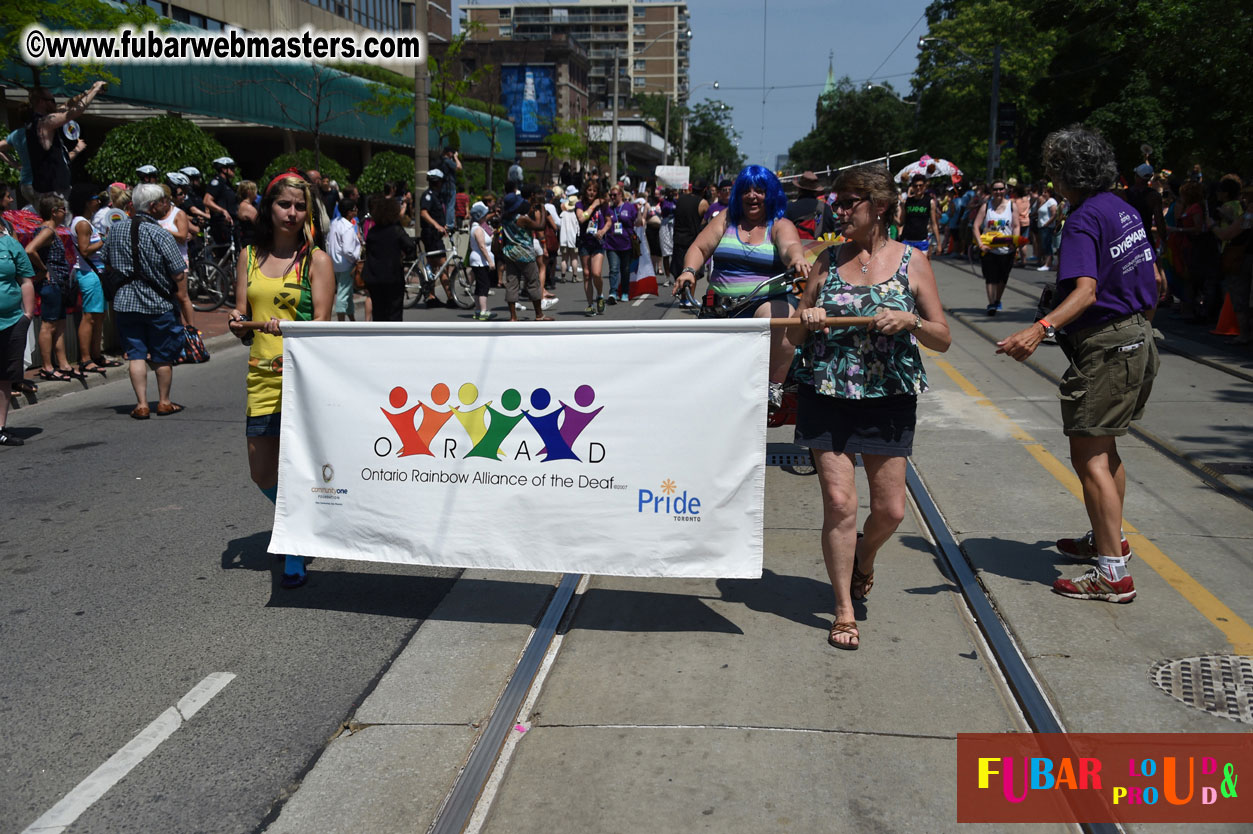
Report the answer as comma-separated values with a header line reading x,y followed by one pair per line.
x,y
688,269
917,323
1049,331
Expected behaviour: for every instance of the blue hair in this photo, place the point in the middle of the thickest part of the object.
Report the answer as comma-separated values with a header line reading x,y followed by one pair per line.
x,y
757,176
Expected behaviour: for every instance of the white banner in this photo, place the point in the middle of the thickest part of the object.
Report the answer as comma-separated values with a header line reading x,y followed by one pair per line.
x,y
626,449
677,177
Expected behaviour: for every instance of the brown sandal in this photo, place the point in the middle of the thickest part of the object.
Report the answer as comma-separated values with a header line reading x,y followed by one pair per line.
x,y
844,628
863,580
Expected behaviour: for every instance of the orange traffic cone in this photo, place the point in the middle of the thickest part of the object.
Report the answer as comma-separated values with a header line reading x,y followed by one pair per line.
x,y
1227,325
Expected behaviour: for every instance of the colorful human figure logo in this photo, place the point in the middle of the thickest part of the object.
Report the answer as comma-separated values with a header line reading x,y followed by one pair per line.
x,y
473,421
498,427
403,423
575,420
545,425
432,419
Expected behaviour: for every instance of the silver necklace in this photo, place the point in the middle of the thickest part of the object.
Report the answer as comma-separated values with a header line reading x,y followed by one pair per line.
x,y
866,266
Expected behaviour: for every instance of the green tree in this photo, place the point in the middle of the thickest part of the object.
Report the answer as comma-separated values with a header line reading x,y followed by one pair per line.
x,y
80,15
167,142
852,124
711,144
385,167
303,160
653,108
567,141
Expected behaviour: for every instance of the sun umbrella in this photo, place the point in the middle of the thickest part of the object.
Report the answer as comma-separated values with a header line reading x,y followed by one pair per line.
x,y
929,167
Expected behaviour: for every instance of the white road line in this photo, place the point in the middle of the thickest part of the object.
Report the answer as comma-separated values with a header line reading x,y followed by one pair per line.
x,y
637,302
64,813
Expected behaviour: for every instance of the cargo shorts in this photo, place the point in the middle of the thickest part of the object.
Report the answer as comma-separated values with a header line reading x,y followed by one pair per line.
x,y
1112,367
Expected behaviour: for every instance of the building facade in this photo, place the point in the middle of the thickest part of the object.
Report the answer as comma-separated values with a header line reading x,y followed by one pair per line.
x,y
648,40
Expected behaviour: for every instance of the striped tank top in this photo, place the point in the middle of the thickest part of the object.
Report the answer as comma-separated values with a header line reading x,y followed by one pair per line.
x,y
739,267
288,298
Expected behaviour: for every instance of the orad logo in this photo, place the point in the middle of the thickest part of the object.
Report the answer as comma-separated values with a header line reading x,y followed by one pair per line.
x,y
481,431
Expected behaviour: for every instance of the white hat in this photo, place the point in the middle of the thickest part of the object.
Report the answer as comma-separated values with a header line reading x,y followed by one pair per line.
x,y
1144,170
146,170
190,171
478,211
224,162
571,191
435,174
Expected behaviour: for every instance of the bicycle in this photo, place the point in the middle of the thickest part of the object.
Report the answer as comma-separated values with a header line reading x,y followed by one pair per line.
x,y
420,282
211,281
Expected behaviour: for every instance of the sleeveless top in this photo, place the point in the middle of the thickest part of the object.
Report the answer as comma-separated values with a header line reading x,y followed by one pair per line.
x,y
170,226
288,298
247,231
478,257
917,218
853,363
739,267
1000,222
96,258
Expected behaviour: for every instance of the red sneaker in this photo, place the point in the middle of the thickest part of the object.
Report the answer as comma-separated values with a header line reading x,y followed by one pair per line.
x,y
1095,585
1084,547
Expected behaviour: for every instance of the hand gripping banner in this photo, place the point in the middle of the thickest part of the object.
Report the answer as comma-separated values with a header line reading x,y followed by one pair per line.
x,y
625,449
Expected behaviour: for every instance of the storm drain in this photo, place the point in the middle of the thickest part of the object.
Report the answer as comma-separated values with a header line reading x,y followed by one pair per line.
x,y
1219,684
789,456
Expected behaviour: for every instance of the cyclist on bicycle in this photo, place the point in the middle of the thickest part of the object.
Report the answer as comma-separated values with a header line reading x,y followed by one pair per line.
x,y
431,207
750,242
222,203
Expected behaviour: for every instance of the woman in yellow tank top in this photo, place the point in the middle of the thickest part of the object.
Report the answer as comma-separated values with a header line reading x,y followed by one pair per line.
x,y
283,276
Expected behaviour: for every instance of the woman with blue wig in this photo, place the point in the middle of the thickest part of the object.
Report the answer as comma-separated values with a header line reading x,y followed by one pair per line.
x,y
750,242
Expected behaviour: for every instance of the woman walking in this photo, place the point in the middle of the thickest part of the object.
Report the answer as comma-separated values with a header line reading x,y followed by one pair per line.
x,y
594,223
859,390
997,215
283,276
387,244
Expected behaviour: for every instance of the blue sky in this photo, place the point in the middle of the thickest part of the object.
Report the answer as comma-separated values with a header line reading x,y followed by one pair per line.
x,y
799,35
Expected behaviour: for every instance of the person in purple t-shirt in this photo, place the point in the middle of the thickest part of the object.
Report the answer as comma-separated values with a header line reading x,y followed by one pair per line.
x,y
1108,282
719,205
617,242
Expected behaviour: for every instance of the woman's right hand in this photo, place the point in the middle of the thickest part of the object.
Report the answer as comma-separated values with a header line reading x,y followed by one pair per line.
x,y
813,319
684,279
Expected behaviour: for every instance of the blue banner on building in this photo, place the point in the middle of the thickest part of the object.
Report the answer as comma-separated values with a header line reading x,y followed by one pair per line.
x,y
529,93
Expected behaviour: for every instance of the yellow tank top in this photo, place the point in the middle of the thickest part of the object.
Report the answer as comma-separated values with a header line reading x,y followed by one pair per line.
x,y
287,298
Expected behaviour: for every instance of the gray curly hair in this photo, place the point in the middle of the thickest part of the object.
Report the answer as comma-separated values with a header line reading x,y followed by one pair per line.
x,y
1080,158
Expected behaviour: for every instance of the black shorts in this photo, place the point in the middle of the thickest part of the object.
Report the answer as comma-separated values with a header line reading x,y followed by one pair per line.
x,y
13,351
873,426
996,268
432,243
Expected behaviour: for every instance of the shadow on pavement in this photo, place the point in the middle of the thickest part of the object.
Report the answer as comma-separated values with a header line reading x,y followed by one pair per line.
x,y
1025,561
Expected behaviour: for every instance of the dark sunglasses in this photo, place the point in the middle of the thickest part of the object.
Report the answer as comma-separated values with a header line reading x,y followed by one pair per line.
x,y
847,203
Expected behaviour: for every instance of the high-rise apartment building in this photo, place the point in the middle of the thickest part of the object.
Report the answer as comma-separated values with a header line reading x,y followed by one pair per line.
x,y
648,37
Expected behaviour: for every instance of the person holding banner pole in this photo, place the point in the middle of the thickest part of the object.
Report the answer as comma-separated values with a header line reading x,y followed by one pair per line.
x,y
858,390
283,276
750,242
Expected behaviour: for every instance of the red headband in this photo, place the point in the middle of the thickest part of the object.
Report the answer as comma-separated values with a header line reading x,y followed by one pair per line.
x,y
290,172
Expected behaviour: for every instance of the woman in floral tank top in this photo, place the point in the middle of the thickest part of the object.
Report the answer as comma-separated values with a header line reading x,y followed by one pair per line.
x,y
859,387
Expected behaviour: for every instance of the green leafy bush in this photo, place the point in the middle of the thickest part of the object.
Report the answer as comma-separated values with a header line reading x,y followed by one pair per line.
x,y
303,160
167,142
387,166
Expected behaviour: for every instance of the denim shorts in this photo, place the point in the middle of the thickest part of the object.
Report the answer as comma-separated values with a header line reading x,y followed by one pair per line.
x,y
158,338
264,425
51,305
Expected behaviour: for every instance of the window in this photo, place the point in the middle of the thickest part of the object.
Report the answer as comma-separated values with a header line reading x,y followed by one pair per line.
x,y
640,66
407,16
561,15
639,30
638,10
506,31
639,82
506,14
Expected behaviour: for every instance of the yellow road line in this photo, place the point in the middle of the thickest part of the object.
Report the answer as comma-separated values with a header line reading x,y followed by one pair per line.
x,y
1238,632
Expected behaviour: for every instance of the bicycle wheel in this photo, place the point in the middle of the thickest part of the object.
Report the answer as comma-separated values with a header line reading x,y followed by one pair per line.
x,y
462,287
204,286
414,294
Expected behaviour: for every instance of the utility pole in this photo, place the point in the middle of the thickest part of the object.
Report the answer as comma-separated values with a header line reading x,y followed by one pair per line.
x,y
421,116
613,139
996,102
665,139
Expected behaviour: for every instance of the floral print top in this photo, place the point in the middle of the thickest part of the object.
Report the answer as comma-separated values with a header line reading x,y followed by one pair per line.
x,y
852,362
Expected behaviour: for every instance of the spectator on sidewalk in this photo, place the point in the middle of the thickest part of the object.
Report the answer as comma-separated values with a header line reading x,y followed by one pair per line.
x,y
345,250
809,213
519,224
148,307
283,276
449,164
84,202
482,262
48,146
57,289
17,311
387,245
1106,285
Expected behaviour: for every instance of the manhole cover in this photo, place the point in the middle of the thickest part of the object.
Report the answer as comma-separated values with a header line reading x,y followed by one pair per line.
x,y
1233,468
1218,684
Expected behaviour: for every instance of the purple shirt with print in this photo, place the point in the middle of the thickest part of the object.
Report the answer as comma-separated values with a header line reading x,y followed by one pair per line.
x,y
622,219
1104,239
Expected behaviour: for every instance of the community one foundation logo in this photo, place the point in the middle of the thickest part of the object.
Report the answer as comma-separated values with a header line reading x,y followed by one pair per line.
x,y
493,429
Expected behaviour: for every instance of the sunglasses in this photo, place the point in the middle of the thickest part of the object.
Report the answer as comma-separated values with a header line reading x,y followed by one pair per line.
x,y
994,190
846,203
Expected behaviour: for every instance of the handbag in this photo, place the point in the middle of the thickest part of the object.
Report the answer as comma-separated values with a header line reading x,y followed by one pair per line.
x,y
514,249
194,352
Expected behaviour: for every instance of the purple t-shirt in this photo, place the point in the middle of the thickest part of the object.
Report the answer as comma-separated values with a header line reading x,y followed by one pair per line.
x,y
622,219
714,210
1104,239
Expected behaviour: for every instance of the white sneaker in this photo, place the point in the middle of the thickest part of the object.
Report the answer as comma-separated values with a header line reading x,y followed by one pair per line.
x,y
1041,269
548,303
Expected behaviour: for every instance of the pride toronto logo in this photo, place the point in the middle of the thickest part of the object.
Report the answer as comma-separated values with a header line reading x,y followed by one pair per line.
x,y
485,430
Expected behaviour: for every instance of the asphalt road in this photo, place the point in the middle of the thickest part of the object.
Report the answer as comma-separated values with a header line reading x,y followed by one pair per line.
x,y
134,565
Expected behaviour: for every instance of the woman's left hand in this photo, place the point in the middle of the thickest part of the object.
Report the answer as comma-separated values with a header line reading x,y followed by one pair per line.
x,y
812,318
889,322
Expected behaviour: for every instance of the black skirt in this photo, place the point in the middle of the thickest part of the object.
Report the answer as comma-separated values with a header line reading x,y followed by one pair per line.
x,y
873,426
